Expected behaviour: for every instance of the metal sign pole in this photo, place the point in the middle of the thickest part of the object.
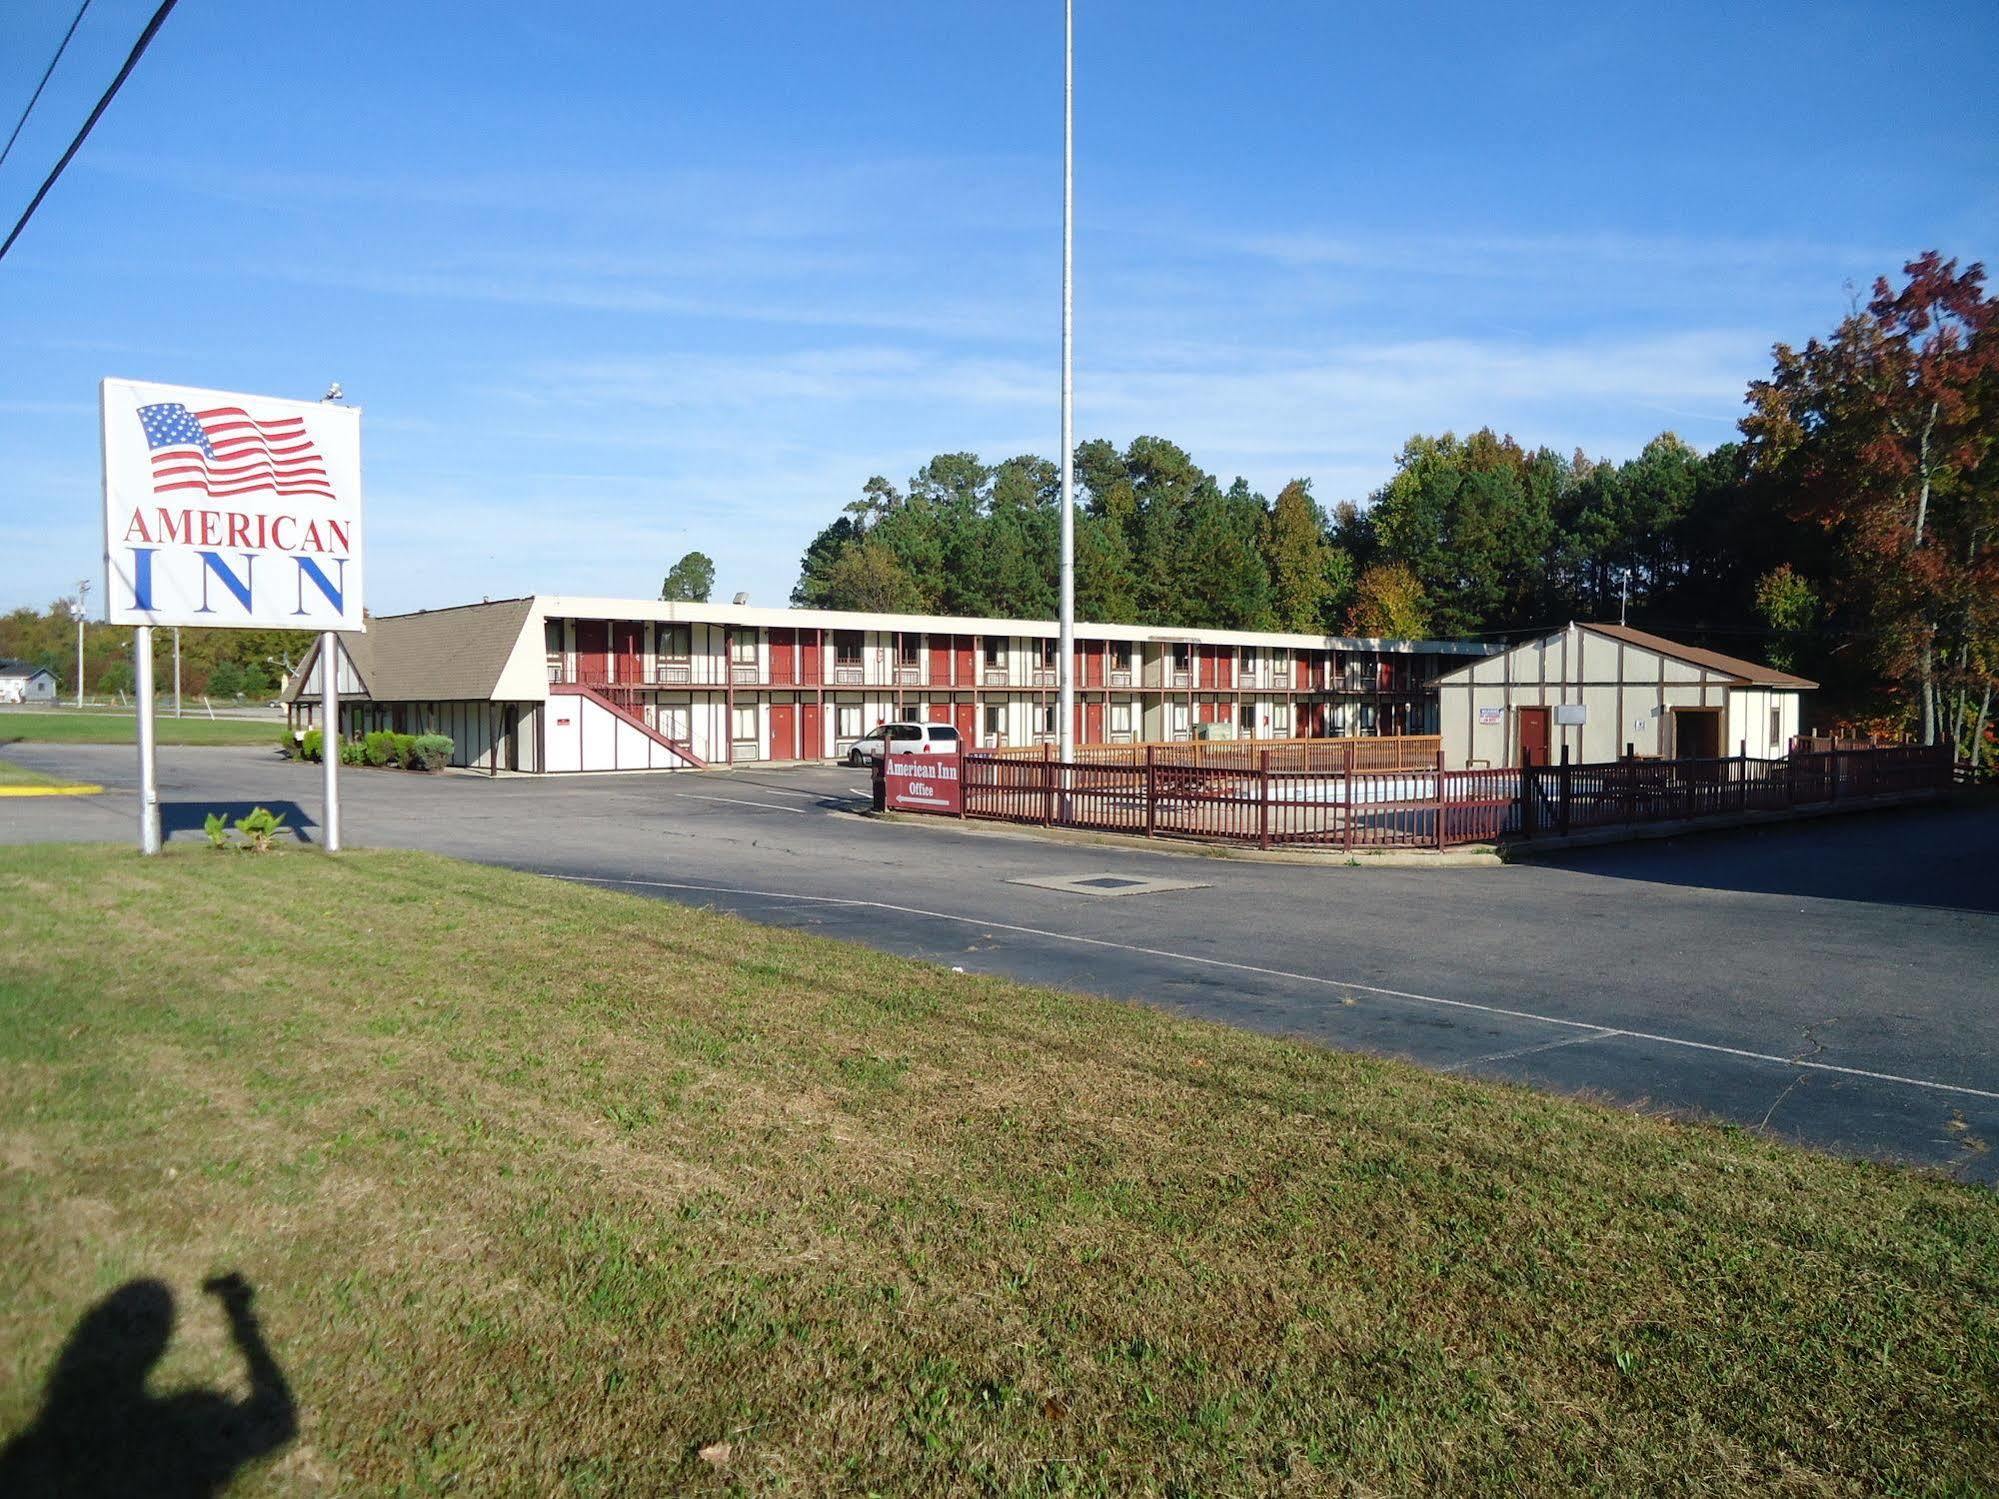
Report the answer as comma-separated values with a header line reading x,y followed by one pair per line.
x,y
329,737
1065,678
176,671
149,786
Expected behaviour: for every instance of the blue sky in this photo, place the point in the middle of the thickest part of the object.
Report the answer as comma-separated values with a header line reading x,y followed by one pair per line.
x,y
614,281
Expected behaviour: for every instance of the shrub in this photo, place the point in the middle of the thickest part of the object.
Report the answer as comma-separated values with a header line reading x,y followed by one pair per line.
x,y
314,744
258,826
433,751
406,751
217,830
350,753
379,748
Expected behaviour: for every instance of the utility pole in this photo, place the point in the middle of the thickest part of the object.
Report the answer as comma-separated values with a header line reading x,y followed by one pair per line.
x,y
1065,679
82,589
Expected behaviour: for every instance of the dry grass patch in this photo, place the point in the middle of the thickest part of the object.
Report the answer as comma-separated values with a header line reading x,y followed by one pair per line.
x,y
546,1188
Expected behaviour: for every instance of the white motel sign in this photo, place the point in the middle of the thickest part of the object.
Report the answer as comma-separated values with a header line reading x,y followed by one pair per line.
x,y
226,510
230,511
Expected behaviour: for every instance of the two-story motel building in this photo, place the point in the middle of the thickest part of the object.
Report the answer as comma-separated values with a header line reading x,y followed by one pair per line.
x,y
552,683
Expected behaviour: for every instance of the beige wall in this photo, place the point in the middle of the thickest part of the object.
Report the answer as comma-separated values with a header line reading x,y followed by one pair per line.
x,y
1626,693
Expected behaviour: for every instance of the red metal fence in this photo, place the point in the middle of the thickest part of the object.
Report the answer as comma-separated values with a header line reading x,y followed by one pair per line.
x,y
1271,804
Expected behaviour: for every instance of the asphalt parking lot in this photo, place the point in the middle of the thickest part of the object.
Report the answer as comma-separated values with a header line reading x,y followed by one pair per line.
x,y
1835,982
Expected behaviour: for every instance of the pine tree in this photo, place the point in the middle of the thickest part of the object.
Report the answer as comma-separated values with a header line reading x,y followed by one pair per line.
x,y
1298,556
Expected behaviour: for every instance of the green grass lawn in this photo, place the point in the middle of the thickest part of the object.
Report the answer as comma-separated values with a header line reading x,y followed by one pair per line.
x,y
89,726
546,1189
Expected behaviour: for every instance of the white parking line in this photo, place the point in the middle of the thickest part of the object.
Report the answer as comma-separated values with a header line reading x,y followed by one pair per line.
x,y
1596,1031
737,801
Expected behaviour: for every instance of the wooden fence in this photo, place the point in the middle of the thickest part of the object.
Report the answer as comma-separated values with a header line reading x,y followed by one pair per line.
x,y
1272,804
1371,752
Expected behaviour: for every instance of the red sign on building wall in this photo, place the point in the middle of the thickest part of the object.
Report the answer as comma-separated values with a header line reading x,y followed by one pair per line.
x,y
922,783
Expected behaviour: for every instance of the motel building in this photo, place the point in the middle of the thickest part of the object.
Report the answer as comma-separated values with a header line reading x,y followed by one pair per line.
x,y
554,684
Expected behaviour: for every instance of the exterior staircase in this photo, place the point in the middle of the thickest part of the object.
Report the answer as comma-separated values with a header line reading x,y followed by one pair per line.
x,y
622,701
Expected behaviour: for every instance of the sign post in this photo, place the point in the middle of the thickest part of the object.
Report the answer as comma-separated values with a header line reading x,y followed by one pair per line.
x,y
149,781
230,511
329,737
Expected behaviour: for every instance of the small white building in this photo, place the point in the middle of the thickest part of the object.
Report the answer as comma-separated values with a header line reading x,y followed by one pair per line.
x,y
22,683
1603,690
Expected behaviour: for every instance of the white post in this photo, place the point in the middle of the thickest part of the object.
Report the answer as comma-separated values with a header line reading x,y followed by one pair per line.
x,y
149,785
82,612
329,736
176,671
1065,678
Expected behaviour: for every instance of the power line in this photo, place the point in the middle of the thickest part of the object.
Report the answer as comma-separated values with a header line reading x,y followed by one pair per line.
x,y
61,47
131,61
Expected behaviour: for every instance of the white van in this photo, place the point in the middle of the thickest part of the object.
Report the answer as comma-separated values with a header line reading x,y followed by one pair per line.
x,y
905,739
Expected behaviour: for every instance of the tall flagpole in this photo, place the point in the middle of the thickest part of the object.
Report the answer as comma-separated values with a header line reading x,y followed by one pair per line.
x,y
1065,696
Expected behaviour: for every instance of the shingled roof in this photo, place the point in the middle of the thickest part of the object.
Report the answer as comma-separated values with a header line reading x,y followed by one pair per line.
x,y
1749,672
435,655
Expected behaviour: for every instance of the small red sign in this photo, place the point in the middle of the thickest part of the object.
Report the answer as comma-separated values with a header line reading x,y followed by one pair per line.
x,y
923,783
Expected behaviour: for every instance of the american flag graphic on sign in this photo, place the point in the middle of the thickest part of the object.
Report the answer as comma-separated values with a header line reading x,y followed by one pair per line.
x,y
224,451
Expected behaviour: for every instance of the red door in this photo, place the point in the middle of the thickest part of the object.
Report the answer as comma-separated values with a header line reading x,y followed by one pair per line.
x,y
968,723
1533,735
940,660
627,644
961,646
784,731
1092,659
814,731
593,650
784,655
1093,723
812,658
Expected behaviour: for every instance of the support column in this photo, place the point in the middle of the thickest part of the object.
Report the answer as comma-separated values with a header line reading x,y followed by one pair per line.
x,y
149,785
329,739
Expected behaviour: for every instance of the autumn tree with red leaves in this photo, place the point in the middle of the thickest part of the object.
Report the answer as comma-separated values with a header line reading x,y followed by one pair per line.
x,y
1884,435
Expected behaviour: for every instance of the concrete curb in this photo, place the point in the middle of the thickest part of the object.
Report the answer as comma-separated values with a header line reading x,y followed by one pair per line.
x,y
1722,823
1469,856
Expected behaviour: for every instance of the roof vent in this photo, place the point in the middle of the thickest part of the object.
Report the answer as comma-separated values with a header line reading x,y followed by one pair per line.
x,y
742,598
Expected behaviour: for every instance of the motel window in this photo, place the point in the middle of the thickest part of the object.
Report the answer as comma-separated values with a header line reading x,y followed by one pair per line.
x,y
995,651
1048,649
1183,658
995,720
672,721
1252,660
551,634
1248,717
1120,718
1050,717
743,724
909,650
847,648
743,649
848,720
1120,655
676,642
1776,725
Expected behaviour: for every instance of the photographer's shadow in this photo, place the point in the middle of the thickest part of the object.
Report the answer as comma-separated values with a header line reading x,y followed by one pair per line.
x,y
102,1432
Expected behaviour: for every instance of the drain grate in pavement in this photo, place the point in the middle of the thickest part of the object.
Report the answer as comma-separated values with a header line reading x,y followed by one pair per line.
x,y
1105,884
